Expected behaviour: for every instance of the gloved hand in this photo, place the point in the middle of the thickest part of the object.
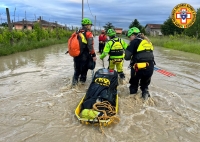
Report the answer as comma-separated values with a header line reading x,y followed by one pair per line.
x,y
103,55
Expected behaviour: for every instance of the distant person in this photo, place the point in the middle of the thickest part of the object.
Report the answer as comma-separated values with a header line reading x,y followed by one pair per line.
x,y
81,61
140,54
102,40
115,47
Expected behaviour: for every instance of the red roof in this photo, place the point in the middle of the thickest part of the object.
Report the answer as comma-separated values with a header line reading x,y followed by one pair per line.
x,y
154,26
118,28
43,22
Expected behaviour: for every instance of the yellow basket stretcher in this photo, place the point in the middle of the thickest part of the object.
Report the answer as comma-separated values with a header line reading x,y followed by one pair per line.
x,y
94,121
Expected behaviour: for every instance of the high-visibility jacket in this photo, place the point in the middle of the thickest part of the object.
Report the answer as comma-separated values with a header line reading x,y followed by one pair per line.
x,y
115,48
144,51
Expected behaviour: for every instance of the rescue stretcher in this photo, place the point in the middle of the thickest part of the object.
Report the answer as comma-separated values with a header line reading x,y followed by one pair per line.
x,y
94,121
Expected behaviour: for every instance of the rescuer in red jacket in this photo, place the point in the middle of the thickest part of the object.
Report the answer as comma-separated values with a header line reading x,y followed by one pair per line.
x,y
102,40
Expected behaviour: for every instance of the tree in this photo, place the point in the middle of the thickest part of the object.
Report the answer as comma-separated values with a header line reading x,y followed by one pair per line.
x,y
194,30
5,24
197,23
169,28
143,30
108,26
136,23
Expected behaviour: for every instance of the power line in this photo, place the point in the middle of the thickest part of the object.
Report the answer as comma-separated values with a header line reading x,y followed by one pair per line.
x,y
89,8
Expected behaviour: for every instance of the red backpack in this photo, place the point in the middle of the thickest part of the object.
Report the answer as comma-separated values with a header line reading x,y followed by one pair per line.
x,y
75,44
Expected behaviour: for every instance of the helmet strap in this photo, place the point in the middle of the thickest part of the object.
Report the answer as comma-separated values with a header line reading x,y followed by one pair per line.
x,y
111,37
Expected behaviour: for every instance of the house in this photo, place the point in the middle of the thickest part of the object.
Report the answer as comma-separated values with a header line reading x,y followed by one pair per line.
x,y
153,29
20,25
118,30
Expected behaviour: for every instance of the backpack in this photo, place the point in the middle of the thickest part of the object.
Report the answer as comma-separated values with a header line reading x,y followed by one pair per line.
x,y
76,44
116,40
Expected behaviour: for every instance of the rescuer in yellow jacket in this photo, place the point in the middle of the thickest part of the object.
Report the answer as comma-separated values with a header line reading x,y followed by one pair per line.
x,y
115,47
140,54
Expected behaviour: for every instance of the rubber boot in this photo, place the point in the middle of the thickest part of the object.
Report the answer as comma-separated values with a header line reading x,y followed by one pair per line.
x,y
82,80
122,76
74,81
132,90
145,94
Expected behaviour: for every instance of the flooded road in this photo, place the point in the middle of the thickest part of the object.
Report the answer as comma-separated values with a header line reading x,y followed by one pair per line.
x,y
37,102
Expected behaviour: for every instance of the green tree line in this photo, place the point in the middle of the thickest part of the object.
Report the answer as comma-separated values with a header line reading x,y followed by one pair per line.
x,y
168,27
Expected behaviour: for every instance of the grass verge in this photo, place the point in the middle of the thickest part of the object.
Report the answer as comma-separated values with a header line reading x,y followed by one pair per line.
x,y
26,45
184,44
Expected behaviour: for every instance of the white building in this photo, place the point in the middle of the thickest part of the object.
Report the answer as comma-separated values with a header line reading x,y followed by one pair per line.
x,y
153,29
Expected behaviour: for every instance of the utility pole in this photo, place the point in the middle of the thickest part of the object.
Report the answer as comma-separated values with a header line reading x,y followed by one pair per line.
x,y
8,19
82,8
9,25
40,22
1,18
14,14
95,26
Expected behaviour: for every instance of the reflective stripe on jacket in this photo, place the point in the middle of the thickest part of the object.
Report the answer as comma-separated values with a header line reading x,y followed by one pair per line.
x,y
144,51
115,48
145,46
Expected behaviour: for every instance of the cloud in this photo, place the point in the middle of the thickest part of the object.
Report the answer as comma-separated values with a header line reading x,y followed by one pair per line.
x,y
118,12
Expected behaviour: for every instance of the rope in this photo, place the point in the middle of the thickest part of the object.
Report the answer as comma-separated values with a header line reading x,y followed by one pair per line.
x,y
106,109
109,112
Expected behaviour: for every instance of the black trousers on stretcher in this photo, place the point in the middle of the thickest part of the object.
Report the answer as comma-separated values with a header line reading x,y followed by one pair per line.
x,y
141,78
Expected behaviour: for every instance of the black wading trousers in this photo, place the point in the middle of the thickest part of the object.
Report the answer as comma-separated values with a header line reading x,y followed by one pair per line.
x,y
80,68
101,47
141,78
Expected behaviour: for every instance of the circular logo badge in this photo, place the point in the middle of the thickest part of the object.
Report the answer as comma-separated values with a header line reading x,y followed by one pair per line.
x,y
183,15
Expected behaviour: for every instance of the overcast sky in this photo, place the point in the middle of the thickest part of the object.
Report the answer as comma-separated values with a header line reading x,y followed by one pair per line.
x,y
118,12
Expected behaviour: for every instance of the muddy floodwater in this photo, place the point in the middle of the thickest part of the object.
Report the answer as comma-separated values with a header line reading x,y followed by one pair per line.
x,y
37,102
